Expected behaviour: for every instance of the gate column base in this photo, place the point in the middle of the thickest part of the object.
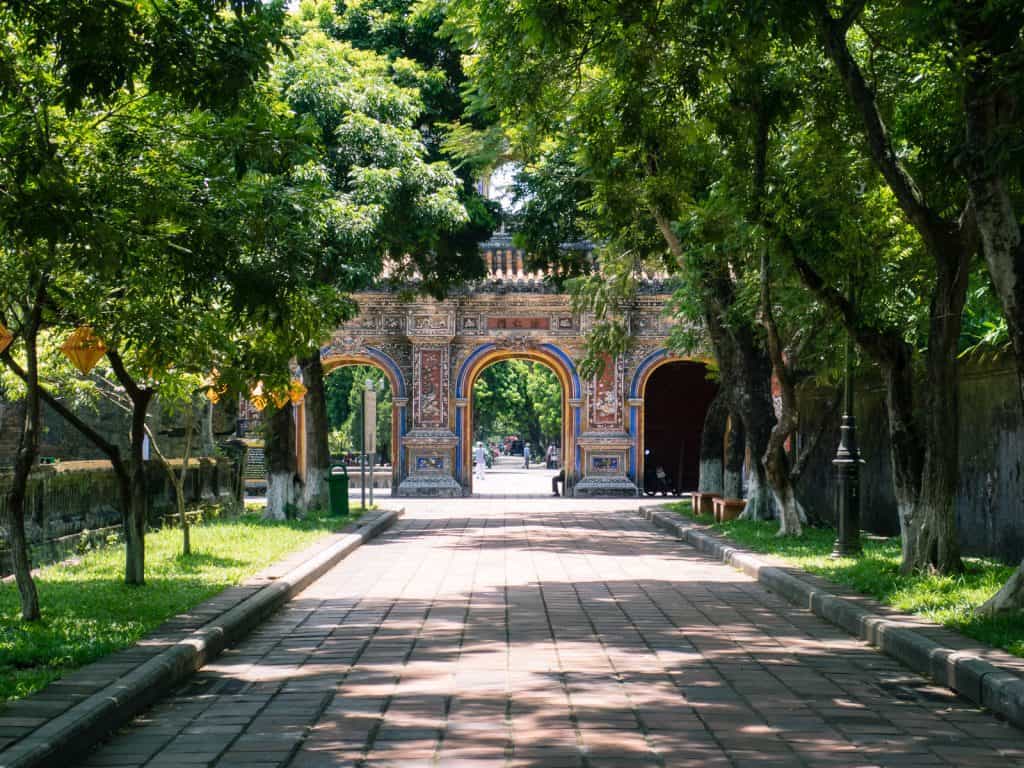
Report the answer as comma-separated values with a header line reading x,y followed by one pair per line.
x,y
618,487
604,466
430,458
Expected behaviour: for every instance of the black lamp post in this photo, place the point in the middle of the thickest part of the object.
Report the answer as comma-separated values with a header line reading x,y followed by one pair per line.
x,y
847,464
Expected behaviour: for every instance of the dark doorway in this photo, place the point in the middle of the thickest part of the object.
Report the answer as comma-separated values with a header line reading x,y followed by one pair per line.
x,y
675,401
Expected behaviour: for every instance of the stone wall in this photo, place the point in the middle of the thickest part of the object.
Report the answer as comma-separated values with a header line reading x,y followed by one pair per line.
x,y
60,440
991,484
68,498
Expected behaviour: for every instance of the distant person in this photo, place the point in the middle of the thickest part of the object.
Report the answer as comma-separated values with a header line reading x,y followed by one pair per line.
x,y
551,456
526,455
559,478
480,461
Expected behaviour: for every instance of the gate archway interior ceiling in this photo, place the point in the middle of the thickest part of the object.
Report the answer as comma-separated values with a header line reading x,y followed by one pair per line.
x,y
432,352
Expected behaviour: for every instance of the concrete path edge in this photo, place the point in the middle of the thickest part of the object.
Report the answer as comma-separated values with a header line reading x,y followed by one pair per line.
x,y
82,726
972,677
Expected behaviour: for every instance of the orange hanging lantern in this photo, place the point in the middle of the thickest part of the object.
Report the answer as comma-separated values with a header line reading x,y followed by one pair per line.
x,y
258,397
83,348
211,389
279,398
6,337
296,391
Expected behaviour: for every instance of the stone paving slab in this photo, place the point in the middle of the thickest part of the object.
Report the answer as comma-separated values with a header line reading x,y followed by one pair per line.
x,y
987,676
74,712
543,635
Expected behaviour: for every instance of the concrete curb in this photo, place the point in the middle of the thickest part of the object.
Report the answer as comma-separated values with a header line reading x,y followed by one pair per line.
x,y
79,728
972,677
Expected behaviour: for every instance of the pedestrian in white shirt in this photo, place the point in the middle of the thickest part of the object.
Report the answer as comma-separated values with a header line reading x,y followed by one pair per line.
x,y
480,460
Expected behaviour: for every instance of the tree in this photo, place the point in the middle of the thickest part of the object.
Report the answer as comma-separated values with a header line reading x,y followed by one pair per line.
x,y
396,201
67,74
27,327
179,396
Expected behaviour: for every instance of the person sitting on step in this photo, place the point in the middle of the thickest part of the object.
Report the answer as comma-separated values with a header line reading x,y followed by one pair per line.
x,y
555,480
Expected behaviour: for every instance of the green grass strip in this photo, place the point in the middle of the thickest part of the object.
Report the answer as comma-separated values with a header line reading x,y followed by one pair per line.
x,y
946,600
88,611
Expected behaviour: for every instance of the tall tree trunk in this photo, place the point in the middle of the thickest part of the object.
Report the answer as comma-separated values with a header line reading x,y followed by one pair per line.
x,y
758,415
28,453
938,544
743,362
318,452
712,445
992,103
950,245
776,460
735,458
906,452
281,468
990,106
894,356
137,512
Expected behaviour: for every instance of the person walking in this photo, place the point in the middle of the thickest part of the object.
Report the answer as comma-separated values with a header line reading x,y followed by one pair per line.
x,y
480,460
526,455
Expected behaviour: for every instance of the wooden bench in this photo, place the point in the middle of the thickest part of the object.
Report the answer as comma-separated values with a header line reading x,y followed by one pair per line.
x,y
728,509
702,503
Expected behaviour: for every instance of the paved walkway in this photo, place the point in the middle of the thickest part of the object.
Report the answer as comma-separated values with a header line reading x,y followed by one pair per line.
x,y
548,635
508,477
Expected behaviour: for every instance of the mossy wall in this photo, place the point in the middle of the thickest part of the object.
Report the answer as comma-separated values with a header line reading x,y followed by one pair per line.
x,y
68,498
990,495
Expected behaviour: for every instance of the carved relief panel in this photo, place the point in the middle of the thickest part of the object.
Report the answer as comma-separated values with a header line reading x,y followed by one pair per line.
x,y
604,396
430,386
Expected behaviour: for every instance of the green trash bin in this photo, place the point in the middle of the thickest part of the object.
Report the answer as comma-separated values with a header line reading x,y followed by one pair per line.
x,y
337,490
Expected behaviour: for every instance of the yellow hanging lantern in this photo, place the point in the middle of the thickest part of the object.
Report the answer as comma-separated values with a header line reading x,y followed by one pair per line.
x,y
84,348
212,395
279,398
258,397
6,337
296,391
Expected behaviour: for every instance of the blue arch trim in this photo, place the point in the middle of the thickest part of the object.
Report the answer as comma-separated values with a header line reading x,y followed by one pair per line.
x,y
483,349
467,365
641,371
379,356
569,366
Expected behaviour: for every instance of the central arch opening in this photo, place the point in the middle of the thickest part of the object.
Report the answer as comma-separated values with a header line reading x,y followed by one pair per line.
x,y
517,408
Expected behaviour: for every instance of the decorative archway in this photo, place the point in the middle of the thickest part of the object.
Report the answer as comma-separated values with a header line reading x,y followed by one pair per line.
x,y
331,359
546,354
637,402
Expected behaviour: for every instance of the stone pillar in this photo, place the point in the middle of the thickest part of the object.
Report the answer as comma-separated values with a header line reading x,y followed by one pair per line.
x,y
605,444
399,469
430,446
463,473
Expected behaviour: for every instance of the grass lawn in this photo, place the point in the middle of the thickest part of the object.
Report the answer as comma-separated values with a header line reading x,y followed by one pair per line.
x,y
948,600
88,611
